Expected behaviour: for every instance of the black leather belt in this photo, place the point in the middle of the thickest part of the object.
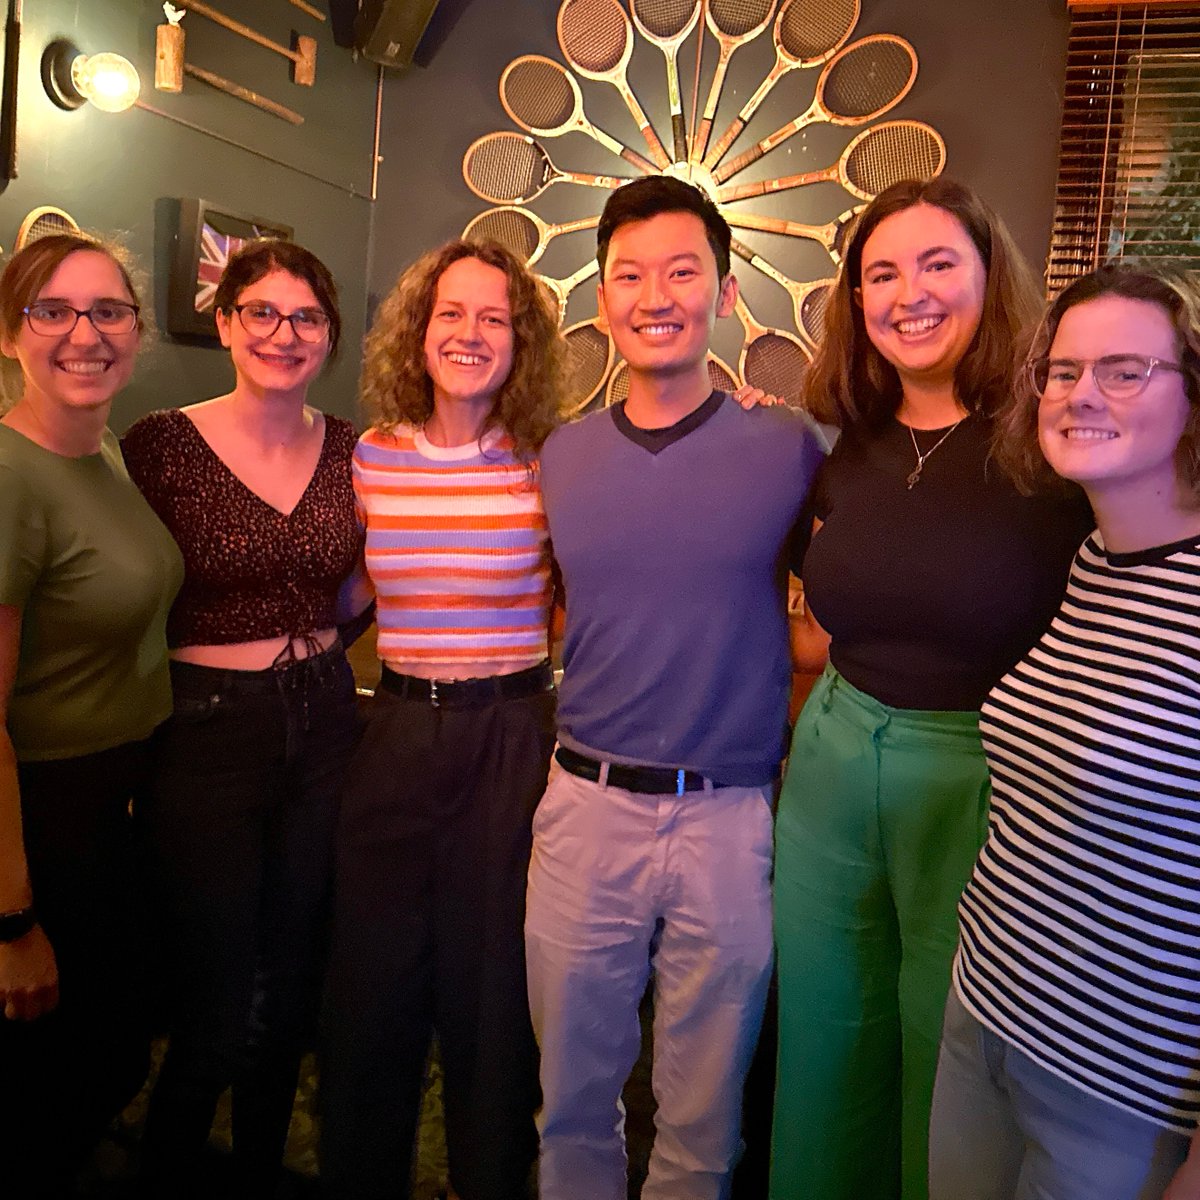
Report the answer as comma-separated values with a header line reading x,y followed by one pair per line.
x,y
469,693
652,781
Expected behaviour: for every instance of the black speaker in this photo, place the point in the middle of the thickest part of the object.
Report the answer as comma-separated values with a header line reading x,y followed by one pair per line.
x,y
388,31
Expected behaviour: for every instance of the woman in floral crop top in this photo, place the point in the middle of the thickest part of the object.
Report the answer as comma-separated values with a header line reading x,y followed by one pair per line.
x,y
255,486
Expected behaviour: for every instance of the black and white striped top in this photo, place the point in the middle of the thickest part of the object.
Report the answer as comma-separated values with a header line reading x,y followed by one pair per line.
x,y
1081,924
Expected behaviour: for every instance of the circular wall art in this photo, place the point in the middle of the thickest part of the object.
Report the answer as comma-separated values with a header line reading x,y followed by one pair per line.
x,y
856,83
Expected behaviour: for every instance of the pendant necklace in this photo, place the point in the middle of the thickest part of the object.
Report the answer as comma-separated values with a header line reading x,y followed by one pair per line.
x,y
915,475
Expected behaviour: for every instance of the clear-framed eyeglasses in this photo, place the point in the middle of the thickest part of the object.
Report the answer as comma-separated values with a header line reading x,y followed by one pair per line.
x,y
262,320
1118,376
53,318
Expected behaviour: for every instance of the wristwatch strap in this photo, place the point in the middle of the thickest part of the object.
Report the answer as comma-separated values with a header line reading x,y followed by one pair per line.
x,y
14,925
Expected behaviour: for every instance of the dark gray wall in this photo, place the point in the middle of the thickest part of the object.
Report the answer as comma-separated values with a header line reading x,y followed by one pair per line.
x,y
990,82
120,173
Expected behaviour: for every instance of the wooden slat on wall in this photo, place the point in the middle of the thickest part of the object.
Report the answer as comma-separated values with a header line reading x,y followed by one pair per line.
x,y
1129,155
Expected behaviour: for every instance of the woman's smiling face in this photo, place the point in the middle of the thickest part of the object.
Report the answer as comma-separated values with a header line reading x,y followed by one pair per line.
x,y
82,369
921,292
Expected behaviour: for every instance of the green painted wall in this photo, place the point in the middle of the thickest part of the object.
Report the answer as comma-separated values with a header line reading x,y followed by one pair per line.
x,y
120,173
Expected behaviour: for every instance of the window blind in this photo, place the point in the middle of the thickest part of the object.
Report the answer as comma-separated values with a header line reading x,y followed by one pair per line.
x,y
1129,155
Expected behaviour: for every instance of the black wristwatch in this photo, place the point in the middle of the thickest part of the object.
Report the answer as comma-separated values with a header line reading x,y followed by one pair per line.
x,y
15,925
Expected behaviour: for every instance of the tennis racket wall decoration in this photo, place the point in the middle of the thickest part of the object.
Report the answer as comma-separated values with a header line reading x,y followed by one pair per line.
x,y
596,38
511,168
667,24
733,23
807,32
842,83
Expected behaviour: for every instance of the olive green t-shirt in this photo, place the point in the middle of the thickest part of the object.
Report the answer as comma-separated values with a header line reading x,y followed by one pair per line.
x,y
92,571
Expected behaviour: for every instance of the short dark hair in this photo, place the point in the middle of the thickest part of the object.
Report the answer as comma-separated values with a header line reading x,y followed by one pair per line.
x,y
257,259
654,194
850,384
1177,294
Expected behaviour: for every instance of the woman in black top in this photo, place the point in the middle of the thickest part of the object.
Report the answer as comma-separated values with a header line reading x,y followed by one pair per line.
x,y
932,575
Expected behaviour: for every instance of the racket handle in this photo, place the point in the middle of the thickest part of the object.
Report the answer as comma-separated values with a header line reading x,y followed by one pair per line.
x,y
643,164
726,140
734,165
658,151
767,187
679,134
700,141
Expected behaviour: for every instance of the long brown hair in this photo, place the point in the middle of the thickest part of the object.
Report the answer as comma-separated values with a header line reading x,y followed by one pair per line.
x,y
850,384
396,387
1177,293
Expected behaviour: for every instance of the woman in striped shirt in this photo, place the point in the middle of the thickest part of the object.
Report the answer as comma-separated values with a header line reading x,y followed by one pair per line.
x,y
463,379
1070,1064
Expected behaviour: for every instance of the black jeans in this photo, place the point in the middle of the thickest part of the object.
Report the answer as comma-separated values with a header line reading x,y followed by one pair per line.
x,y
240,823
64,1076
433,852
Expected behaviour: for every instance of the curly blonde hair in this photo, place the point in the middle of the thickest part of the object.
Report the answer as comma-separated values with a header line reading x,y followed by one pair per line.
x,y
1177,293
396,387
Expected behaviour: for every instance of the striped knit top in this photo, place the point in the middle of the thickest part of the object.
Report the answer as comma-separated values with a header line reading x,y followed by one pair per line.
x,y
457,549
1081,925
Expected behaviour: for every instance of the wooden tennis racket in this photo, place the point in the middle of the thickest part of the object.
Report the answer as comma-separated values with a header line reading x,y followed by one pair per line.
x,y
596,38
542,97
590,354
807,32
561,289
808,299
733,23
873,161
772,359
666,24
521,231
833,236
42,222
511,168
859,83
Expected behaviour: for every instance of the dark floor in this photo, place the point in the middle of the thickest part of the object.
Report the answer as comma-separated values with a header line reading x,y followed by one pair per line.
x,y
112,1173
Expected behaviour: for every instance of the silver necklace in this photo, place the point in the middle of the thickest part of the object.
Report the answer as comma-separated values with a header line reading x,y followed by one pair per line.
x,y
915,475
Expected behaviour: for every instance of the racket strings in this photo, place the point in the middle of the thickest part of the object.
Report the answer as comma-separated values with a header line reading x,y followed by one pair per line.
x,y
47,225
777,365
867,79
506,168
894,152
812,313
811,28
587,360
720,377
664,18
515,231
594,35
736,18
540,94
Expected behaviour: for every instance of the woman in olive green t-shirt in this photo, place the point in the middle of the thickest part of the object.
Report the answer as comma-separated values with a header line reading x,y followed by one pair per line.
x,y
87,573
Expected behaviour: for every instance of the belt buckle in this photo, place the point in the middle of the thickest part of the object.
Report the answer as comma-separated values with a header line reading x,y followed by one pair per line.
x,y
680,781
433,696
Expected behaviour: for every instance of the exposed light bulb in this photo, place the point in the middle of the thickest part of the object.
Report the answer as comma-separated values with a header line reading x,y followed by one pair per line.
x,y
109,81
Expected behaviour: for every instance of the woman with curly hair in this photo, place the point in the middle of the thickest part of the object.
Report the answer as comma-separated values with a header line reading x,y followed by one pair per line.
x,y
463,379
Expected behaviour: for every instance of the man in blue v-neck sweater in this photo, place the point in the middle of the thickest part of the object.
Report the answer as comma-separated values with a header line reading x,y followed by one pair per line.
x,y
669,516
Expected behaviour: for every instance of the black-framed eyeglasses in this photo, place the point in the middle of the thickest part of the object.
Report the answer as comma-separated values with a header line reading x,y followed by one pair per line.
x,y
1118,376
52,318
262,320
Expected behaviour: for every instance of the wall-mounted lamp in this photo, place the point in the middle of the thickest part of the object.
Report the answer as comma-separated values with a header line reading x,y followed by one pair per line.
x,y
72,78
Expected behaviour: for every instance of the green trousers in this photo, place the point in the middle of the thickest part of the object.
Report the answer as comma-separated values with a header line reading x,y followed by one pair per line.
x,y
882,814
